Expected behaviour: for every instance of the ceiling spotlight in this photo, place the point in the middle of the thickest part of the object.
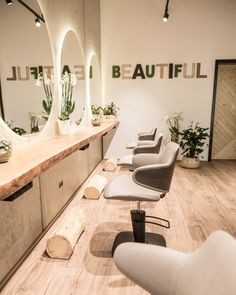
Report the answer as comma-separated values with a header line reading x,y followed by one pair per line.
x,y
8,2
166,14
165,18
37,22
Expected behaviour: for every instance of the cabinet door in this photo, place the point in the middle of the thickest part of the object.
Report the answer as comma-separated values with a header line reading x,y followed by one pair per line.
x,y
59,183
106,141
20,225
94,154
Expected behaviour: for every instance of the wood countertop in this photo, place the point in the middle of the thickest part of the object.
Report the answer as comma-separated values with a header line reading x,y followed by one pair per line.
x,y
28,162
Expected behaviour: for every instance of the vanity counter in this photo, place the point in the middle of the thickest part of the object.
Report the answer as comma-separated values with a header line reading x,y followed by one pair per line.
x,y
29,162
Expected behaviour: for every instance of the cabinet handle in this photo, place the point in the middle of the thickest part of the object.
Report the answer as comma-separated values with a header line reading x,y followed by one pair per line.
x,y
104,134
114,127
60,184
84,147
19,193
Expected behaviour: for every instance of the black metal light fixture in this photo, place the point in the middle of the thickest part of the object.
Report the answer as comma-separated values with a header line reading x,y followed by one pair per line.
x,y
37,22
8,2
38,18
166,14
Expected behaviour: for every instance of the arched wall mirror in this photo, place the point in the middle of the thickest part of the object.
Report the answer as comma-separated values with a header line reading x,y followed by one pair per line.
x,y
72,63
25,52
95,82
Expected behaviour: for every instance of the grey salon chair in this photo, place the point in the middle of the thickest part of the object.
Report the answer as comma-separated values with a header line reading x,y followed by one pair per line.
x,y
148,183
148,137
210,270
153,147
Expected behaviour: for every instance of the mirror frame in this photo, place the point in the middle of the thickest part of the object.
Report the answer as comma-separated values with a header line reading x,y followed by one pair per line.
x,y
1,103
95,57
59,87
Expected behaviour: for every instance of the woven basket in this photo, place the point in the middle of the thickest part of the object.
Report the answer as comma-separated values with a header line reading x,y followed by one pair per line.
x,y
190,163
5,156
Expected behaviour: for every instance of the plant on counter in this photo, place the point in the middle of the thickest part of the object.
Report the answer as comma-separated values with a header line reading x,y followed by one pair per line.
x,y
18,130
192,143
45,80
97,112
34,122
110,109
173,122
68,81
5,145
5,150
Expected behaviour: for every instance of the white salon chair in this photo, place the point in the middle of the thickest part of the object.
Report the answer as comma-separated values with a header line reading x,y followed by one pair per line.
x,y
148,183
146,137
142,148
210,270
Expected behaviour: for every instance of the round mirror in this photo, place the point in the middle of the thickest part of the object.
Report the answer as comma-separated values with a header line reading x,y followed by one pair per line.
x,y
25,68
73,77
95,82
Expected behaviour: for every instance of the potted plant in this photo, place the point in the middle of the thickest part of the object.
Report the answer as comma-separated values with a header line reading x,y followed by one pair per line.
x,y
110,112
44,79
5,150
34,122
173,122
97,113
68,81
192,143
18,130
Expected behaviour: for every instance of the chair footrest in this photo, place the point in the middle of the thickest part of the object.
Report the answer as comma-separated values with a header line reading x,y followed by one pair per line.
x,y
127,236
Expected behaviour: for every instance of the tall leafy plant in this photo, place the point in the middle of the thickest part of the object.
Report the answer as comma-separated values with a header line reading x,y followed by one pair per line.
x,y
45,81
193,140
68,82
173,122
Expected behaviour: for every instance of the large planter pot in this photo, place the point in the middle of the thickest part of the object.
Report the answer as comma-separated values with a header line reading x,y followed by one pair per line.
x,y
190,163
109,118
64,127
5,155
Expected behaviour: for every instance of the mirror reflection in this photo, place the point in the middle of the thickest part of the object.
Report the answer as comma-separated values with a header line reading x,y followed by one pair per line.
x,y
73,79
95,82
25,54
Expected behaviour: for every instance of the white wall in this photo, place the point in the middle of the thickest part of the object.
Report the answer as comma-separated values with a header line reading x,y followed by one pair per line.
x,y
132,31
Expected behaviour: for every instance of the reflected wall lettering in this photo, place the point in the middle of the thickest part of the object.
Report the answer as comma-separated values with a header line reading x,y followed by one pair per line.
x,y
25,73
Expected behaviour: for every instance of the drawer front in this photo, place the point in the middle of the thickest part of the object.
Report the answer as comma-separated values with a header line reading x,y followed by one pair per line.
x,y
20,225
59,183
94,154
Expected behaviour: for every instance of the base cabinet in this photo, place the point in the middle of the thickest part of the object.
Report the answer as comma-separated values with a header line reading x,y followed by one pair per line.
x,y
94,154
21,224
59,183
106,141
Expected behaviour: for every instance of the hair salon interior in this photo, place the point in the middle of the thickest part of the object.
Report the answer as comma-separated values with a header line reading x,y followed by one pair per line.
x,y
117,147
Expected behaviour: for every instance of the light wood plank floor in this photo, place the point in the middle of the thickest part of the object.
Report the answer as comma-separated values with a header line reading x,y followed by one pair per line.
x,y
200,201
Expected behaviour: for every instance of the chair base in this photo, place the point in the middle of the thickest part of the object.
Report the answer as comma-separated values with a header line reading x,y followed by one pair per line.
x,y
128,236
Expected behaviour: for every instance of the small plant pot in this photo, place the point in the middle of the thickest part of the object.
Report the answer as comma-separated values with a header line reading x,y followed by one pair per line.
x,y
5,155
96,122
190,163
64,127
109,118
